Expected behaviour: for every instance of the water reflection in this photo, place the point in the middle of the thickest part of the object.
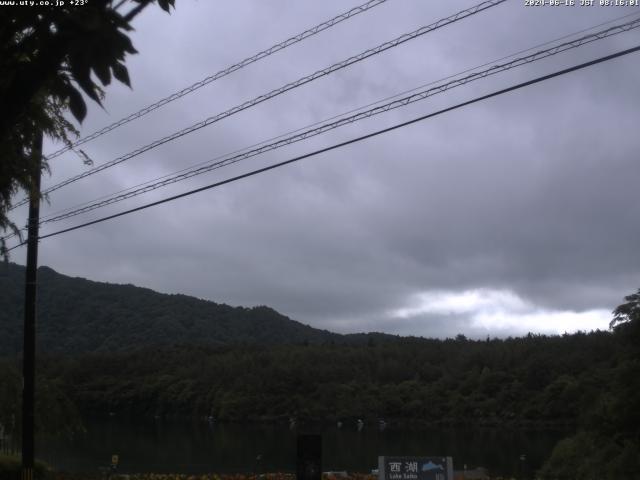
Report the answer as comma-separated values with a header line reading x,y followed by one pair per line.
x,y
198,447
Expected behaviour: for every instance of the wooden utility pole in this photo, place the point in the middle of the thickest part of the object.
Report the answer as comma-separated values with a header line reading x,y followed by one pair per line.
x,y
29,347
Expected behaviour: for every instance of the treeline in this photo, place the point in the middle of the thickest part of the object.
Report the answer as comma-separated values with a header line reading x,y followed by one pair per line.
x,y
77,316
590,381
530,380
607,443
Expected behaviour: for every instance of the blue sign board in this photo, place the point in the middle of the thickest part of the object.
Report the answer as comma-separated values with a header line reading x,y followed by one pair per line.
x,y
415,468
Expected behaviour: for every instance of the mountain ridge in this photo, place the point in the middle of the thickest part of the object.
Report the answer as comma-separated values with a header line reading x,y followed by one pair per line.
x,y
76,315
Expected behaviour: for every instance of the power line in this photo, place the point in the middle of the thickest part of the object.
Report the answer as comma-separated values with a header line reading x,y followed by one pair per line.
x,y
348,142
257,100
264,142
193,171
415,97
222,73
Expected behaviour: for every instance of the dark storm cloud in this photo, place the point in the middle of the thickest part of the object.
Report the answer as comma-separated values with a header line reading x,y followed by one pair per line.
x,y
528,197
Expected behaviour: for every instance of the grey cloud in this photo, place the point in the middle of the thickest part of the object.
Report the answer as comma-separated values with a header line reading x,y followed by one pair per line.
x,y
533,192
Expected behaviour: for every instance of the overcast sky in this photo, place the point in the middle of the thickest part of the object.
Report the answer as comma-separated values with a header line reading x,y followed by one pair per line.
x,y
518,214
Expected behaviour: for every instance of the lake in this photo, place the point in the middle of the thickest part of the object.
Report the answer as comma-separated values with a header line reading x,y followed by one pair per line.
x,y
197,447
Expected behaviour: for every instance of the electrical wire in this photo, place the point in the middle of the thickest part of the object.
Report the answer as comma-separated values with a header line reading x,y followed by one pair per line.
x,y
415,97
222,73
279,91
343,144
264,142
135,190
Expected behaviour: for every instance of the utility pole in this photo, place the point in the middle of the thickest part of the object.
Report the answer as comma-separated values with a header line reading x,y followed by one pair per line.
x,y
29,347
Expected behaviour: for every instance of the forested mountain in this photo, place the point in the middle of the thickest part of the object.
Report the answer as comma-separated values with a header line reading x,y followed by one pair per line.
x,y
124,350
590,382
533,380
77,316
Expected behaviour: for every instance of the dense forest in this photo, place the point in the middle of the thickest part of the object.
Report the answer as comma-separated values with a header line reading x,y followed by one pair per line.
x,y
79,316
540,380
587,381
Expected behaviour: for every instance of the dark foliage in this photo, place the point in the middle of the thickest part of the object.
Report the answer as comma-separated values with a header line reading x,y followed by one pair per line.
x,y
77,316
607,445
171,355
534,381
47,58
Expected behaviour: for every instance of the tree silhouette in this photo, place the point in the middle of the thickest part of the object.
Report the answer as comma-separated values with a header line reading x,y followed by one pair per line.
x,y
627,312
47,56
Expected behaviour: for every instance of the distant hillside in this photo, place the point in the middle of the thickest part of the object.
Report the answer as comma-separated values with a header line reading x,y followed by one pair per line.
x,y
76,315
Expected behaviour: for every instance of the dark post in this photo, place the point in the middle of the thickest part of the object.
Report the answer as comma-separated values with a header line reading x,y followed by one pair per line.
x,y
309,464
29,348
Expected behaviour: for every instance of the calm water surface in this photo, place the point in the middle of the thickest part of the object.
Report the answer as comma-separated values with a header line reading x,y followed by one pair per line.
x,y
192,447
